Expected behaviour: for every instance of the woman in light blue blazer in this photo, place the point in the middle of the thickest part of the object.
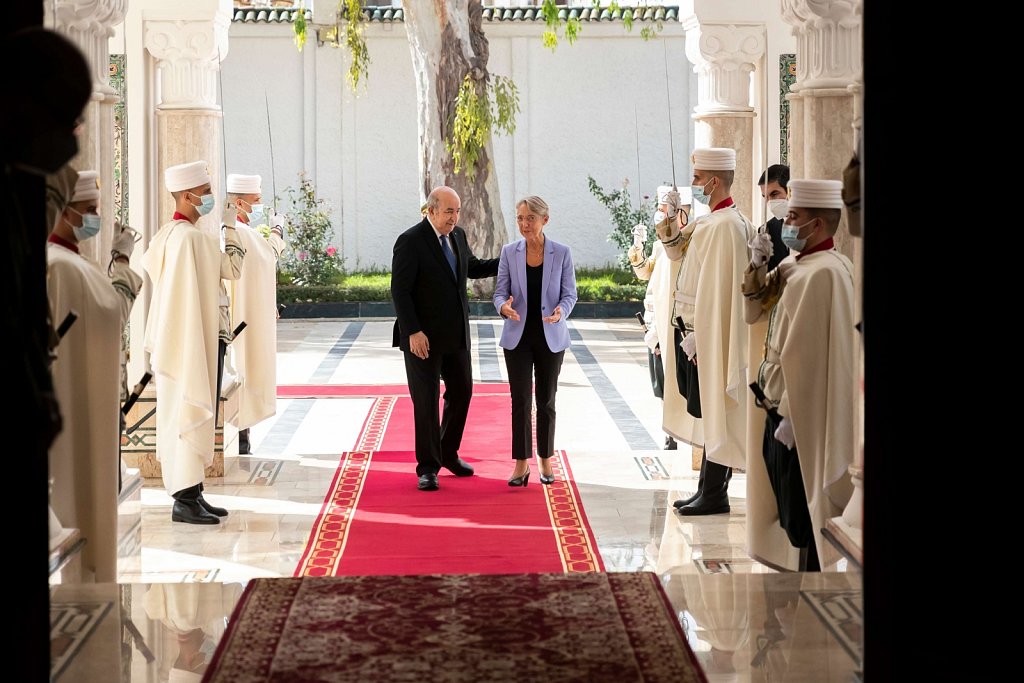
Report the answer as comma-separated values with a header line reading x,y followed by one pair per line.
x,y
535,293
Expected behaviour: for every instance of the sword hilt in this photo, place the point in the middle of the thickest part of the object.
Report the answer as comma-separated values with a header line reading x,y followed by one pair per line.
x,y
66,324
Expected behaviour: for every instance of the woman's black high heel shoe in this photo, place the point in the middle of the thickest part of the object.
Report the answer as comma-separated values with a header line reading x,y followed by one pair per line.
x,y
547,479
520,481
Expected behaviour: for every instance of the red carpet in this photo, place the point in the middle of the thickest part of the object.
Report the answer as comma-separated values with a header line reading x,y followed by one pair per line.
x,y
362,390
375,521
599,628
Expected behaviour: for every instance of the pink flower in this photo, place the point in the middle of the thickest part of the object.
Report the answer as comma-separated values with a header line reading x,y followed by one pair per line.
x,y
331,251
303,255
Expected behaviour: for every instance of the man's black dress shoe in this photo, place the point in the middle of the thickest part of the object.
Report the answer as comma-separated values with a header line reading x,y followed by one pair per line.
x,y
460,468
705,505
686,501
212,509
428,482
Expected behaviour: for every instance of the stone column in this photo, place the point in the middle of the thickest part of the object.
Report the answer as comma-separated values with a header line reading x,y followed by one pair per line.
x,y
828,61
89,24
188,51
724,55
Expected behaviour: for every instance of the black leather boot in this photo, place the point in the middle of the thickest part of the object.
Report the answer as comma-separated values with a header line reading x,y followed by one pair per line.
x,y
212,509
714,497
243,442
188,509
700,485
670,444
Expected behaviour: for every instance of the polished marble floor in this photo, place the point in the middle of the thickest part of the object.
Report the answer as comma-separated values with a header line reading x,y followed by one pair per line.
x,y
745,621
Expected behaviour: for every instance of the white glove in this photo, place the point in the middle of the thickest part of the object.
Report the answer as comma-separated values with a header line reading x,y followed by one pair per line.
x,y
659,216
672,203
639,234
760,249
689,345
784,433
277,221
230,216
651,337
124,241
635,255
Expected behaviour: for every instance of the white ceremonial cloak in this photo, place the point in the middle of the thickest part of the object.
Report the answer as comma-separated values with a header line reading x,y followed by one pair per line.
x,y
767,541
182,331
676,422
710,298
84,460
254,301
814,336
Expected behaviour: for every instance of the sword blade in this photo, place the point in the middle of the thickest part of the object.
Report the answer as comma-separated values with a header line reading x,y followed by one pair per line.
x,y
668,99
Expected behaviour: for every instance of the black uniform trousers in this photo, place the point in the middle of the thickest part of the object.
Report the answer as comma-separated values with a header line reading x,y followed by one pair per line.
x,y
783,465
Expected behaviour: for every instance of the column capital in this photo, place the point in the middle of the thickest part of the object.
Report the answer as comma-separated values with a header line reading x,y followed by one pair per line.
x,y
188,41
724,55
89,24
828,34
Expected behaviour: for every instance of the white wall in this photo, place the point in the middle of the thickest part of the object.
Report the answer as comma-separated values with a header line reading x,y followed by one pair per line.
x,y
362,150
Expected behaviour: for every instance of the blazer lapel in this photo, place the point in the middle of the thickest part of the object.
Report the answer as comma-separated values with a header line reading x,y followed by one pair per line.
x,y
521,267
549,256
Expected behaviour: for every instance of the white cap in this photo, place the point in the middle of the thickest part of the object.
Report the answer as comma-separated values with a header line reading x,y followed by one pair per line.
x,y
244,184
714,159
685,194
815,194
86,187
186,176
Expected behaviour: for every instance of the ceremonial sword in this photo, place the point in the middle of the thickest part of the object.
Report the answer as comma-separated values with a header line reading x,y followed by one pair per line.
x,y
668,99
270,135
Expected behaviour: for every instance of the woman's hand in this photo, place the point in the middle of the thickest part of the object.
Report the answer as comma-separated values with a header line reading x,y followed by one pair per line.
x,y
555,316
508,311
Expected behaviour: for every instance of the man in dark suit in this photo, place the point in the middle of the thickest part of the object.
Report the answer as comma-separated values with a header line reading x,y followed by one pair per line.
x,y
773,184
429,268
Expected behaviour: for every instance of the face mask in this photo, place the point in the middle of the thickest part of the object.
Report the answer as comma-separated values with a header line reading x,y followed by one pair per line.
x,y
698,193
778,207
256,213
207,203
789,235
90,225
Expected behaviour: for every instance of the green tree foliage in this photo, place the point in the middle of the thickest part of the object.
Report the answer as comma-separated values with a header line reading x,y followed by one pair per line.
x,y
479,110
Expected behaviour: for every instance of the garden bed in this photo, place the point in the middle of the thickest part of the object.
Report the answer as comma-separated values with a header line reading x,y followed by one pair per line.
x,y
603,293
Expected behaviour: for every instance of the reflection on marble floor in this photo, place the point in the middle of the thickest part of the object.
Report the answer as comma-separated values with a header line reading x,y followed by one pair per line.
x,y
746,621
743,627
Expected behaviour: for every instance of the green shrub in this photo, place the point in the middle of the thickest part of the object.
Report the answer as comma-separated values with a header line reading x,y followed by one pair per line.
x,y
311,258
606,283
624,216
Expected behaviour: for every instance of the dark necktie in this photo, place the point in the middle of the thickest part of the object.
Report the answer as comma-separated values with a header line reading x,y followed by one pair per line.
x,y
448,254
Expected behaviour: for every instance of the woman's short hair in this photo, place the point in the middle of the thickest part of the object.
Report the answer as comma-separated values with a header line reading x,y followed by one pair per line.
x,y
534,204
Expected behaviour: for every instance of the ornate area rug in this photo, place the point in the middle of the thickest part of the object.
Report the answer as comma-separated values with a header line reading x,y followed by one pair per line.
x,y
597,627
375,521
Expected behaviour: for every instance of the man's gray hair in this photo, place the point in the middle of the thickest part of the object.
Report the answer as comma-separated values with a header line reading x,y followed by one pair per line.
x,y
434,198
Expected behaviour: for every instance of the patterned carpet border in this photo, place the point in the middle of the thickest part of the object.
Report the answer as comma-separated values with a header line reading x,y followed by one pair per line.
x,y
330,530
576,543
598,627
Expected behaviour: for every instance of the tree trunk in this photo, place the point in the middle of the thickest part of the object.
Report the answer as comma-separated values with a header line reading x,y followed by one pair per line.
x,y
447,42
